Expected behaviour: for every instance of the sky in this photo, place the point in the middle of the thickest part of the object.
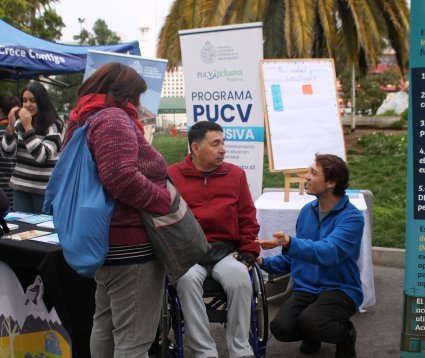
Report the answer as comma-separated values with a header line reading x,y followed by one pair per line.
x,y
122,16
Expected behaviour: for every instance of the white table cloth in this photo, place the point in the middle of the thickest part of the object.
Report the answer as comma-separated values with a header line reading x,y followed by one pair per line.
x,y
274,214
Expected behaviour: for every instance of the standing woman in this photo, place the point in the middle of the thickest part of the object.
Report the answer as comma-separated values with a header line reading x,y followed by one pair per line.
x,y
33,136
7,165
130,285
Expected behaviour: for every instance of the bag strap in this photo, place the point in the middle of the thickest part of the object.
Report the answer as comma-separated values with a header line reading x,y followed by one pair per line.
x,y
170,180
88,120
172,189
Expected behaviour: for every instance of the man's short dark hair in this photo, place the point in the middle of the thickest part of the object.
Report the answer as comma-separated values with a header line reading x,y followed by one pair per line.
x,y
335,169
199,130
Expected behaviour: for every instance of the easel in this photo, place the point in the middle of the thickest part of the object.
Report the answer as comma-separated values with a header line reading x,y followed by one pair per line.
x,y
289,179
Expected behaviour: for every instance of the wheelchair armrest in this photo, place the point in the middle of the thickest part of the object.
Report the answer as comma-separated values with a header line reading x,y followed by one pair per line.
x,y
285,280
277,277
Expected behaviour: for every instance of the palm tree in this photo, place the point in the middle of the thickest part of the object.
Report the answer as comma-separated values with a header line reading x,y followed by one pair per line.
x,y
352,31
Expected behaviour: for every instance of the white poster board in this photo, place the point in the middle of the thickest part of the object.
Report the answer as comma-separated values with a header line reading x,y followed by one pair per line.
x,y
302,114
223,85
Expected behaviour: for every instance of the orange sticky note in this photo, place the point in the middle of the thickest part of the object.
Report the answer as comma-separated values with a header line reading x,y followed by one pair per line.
x,y
307,89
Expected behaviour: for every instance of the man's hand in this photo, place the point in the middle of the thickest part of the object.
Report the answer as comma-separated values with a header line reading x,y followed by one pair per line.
x,y
280,239
246,259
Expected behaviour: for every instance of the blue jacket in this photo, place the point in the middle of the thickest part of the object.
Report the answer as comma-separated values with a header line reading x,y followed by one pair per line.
x,y
323,256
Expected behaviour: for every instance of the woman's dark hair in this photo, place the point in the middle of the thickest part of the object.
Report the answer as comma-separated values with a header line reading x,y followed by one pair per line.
x,y
335,169
120,84
199,130
46,112
7,103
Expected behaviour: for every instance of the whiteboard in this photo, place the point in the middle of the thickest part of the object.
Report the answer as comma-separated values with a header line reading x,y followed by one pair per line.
x,y
302,113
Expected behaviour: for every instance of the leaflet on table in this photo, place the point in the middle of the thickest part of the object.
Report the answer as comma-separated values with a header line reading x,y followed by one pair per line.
x,y
15,215
28,234
49,239
36,219
29,218
47,224
12,226
353,193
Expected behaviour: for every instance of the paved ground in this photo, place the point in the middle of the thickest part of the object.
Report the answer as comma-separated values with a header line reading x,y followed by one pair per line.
x,y
378,330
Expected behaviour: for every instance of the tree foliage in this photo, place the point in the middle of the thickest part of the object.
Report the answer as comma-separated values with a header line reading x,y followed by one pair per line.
x,y
369,88
64,97
36,17
352,31
101,35
39,19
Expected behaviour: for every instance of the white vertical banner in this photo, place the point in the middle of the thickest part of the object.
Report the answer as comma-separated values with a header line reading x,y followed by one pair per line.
x,y
222,84
152,71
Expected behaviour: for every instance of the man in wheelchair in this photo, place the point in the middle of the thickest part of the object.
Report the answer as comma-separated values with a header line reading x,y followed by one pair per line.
x,y
322,259
218,195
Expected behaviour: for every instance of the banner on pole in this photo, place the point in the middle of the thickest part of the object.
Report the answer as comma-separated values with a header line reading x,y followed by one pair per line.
x,y
413,324
222,85
152,71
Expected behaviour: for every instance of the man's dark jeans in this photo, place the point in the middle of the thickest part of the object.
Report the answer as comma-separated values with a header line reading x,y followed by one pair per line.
x,y
322,317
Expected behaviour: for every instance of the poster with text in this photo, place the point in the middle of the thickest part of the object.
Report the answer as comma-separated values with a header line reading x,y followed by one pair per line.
x,y
152,71
302,116
222,85
413,324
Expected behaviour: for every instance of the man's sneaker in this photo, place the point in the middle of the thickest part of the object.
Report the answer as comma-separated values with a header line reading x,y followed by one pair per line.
x,y
347,348
310,346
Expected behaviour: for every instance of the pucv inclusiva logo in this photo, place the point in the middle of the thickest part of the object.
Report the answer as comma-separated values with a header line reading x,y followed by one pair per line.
x,y
208,53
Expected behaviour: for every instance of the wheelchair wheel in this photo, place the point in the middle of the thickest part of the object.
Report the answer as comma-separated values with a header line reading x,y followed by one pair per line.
x,y
259,314
170,330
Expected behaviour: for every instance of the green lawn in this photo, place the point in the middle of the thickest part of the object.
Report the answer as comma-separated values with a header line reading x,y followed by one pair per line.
x,y
380,167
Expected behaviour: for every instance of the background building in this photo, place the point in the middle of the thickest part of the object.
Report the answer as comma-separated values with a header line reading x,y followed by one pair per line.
x,y
172,109
173,83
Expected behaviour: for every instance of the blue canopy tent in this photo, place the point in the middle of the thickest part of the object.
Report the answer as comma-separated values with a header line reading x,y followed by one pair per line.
x,y
23,56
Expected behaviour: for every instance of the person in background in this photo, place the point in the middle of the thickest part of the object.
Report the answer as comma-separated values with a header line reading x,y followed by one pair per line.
x,y
33,136
7,165
322,259
130,285
218,195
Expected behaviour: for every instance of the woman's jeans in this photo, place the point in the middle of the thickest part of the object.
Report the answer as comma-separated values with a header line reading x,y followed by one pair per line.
x,y
27,202
128,307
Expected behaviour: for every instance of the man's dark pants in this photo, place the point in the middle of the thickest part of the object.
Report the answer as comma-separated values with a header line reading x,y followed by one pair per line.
x,y
322,317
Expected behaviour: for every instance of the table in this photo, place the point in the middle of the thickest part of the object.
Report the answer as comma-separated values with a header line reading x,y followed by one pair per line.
x,y
71,295
274,214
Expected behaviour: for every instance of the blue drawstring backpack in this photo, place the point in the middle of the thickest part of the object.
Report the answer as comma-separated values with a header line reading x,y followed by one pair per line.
x,y
81,207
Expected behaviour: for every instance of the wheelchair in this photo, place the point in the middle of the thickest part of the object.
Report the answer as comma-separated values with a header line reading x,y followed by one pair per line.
x,y
170,333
